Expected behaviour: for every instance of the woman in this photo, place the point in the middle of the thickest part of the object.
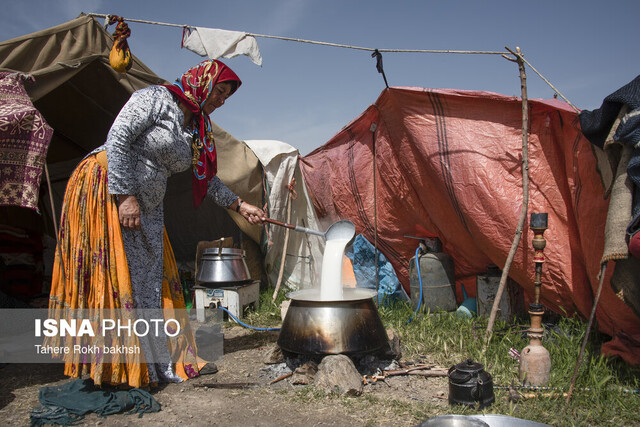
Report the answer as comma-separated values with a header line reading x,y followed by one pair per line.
x,y
114,252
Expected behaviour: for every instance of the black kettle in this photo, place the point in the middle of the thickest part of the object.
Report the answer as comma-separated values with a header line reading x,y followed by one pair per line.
x,y
470,384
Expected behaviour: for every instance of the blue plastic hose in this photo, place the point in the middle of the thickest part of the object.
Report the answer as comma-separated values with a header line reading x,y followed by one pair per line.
x,y
419,281
245,325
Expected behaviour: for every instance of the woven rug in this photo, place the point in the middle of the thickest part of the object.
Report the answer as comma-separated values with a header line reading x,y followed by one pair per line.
x,y
24,141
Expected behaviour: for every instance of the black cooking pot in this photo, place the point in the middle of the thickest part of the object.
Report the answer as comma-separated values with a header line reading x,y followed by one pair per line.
x,y
470,384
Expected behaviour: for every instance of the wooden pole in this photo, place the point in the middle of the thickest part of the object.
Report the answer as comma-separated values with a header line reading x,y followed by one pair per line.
x,y
284,250
603,270
525,193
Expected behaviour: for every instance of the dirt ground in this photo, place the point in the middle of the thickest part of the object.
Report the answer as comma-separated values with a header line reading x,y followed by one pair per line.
x,y
258,403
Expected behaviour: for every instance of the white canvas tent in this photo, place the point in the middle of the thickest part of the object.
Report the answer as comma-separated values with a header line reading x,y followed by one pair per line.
x,y
288,201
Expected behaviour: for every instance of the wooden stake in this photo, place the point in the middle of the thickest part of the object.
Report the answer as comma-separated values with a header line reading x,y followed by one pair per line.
x,y
284,249
281,377
603,270
424,371
525,196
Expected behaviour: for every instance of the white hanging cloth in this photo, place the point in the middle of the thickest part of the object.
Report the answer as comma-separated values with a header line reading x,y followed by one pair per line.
x,y
216,44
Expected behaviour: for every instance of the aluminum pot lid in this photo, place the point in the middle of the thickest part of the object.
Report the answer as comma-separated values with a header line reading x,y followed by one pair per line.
x,y
223,251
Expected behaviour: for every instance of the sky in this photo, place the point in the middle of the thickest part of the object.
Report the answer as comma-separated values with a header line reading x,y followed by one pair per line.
x,y
303,94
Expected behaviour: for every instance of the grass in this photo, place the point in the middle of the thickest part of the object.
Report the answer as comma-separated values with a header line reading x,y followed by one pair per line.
x,y
599,396
606,391
268,313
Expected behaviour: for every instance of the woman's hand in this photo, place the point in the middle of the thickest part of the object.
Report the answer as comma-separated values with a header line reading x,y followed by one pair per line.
x,y
251,213
129,212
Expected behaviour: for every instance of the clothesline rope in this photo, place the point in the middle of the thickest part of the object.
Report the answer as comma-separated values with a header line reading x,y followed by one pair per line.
x,y
293,39
471,52
369,49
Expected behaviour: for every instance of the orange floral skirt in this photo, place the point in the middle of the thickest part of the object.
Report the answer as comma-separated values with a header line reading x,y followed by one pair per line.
x,y
90,275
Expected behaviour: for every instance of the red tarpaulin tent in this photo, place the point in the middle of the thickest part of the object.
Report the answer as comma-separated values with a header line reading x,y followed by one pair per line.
x,y
449,162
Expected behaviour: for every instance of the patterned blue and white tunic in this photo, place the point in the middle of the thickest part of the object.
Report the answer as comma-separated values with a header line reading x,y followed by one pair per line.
x,y
146,144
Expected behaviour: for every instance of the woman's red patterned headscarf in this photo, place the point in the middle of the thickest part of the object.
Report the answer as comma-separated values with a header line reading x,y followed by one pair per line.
x,y
193,89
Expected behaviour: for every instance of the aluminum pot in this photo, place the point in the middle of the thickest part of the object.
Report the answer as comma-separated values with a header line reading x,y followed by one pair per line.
x,y
221,266
478,420
470,384
453,421
348,326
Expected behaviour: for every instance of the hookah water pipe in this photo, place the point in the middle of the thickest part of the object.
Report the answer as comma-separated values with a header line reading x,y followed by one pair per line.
x,y
535,362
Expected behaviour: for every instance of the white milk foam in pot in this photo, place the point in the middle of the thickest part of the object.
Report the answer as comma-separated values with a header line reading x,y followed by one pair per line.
x,y
331,279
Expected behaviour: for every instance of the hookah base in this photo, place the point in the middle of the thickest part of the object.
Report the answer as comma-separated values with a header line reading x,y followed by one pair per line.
x,y
535,365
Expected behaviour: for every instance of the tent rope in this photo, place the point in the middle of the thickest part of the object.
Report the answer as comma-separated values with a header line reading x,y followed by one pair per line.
x,y
55,223
548,82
